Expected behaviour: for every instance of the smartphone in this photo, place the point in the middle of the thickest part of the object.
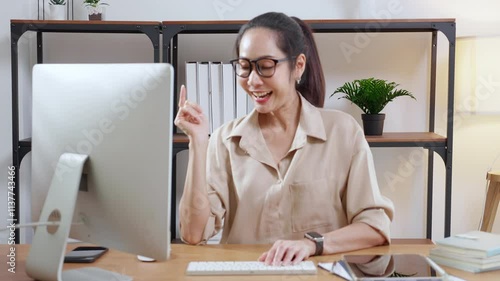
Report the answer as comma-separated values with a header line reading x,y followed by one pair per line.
x,y
85,254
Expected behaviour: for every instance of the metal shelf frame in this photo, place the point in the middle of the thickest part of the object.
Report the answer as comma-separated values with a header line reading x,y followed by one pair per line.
x,y
17,28
168,31
442,145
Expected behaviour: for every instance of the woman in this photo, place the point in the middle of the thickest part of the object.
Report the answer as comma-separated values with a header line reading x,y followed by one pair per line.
x,y
290,173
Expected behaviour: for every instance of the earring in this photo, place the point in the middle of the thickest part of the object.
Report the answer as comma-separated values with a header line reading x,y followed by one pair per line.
x,y
298,81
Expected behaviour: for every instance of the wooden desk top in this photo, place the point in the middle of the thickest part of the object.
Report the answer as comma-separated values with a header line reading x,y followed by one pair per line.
x,y
174,269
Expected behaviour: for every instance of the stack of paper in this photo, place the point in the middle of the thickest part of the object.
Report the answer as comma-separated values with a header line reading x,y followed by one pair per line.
x,y
475,251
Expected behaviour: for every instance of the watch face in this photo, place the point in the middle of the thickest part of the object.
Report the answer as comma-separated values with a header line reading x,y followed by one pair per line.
x,y
314,235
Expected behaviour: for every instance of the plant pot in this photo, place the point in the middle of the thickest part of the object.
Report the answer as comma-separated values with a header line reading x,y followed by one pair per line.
x,y
97,16
57,12
373,124
96,13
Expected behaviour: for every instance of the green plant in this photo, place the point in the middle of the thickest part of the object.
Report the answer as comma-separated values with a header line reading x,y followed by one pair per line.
x,y
371,95
93,3
57,2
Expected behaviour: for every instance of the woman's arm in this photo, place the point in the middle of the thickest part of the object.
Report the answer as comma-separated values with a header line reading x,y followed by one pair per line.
x,y
349,238
368,212
194,207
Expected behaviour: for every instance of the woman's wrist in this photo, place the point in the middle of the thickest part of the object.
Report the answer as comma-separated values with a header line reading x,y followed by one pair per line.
x,y
311,246
198,142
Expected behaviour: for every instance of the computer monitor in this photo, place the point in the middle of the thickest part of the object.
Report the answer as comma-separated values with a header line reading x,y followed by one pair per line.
x,y
102,138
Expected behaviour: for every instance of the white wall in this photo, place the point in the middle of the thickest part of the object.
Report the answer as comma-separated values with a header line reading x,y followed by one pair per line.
x,y
398,57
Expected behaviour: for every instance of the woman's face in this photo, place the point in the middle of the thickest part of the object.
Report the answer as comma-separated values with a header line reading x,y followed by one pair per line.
x,y
268,93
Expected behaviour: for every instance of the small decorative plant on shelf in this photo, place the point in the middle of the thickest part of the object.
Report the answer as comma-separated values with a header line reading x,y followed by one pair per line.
x,y
371,95
57,2
95,9
57,9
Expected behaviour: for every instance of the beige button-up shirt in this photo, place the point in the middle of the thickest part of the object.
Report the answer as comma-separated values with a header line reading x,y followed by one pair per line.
x,y
326,181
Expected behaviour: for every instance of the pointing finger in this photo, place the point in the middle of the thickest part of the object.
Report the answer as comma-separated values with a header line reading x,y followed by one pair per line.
x,y
182,96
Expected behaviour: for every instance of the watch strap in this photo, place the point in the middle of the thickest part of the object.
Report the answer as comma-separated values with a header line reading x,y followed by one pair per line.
x,y
319,247
318,241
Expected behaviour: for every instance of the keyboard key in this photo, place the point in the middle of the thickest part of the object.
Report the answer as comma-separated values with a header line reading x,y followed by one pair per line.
x,y
248,268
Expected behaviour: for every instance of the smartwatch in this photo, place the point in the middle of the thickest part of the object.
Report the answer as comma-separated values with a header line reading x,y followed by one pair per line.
x,y
318,240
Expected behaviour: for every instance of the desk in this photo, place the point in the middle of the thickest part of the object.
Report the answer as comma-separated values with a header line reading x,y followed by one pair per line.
x,y
182,254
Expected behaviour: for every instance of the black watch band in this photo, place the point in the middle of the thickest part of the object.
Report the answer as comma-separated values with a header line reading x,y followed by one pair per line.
x,y
318,240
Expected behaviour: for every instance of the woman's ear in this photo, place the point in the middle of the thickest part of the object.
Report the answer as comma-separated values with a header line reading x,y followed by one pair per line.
x,y
300,66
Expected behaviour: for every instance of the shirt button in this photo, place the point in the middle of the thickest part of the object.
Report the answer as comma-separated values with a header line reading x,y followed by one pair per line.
x,y
279,182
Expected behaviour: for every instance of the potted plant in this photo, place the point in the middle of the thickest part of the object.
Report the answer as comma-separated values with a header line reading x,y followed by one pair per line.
x,y
57,9
371,95
95,9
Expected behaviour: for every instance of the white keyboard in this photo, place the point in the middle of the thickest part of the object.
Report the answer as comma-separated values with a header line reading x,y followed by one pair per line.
x,y
248,268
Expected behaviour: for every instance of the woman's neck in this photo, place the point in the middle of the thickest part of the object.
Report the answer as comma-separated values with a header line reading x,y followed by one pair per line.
x,y
284,119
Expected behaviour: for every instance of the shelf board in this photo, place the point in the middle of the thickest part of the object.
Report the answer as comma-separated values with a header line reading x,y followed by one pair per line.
x,y
318,25
316,21
25,142
180,138
75,26
82,22
407,139
396,139
412,139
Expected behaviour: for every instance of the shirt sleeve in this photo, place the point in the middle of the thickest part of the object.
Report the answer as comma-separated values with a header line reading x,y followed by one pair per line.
x,y
364,202
218,179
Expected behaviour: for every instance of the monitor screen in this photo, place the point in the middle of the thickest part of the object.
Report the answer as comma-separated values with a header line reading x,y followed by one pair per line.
x,y
120,117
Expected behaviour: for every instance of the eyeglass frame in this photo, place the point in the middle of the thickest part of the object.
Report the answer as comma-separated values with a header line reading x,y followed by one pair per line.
x,y
254,62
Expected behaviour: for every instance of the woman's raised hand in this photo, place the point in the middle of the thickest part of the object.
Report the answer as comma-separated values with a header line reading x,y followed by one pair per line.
x,y
190,118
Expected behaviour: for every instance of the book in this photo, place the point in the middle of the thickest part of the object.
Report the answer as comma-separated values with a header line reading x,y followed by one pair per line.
x,y
215,95
191,76
241,101
477,244
229,93
202,88
443,253
466,266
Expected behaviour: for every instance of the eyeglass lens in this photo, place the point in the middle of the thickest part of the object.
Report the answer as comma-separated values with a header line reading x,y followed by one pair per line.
x,y
265,67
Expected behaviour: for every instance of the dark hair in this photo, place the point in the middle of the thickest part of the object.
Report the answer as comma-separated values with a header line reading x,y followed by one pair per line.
x,y
293,37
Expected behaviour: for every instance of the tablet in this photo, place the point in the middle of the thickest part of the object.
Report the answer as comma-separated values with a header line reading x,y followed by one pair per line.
x,y
407,267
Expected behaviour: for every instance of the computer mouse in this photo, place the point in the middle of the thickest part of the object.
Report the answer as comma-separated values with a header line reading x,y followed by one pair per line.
x,y
145,259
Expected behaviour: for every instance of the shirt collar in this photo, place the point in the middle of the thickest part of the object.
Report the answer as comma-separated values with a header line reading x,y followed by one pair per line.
x,y
311,121
310,124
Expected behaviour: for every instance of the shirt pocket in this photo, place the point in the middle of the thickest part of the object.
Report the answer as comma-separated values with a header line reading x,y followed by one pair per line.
x,y
312,205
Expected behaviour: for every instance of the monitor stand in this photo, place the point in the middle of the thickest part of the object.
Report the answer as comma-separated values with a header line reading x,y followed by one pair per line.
x,y
46,255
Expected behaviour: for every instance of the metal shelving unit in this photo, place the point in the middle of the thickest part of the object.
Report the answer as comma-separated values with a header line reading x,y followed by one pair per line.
x,y
170,30
442,145
20,148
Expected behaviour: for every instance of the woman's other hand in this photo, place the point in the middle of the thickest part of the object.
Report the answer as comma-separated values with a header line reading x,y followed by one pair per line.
x,y
286,252
190,118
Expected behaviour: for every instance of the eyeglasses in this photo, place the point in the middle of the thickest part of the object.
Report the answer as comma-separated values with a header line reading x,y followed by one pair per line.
x,y
265,66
